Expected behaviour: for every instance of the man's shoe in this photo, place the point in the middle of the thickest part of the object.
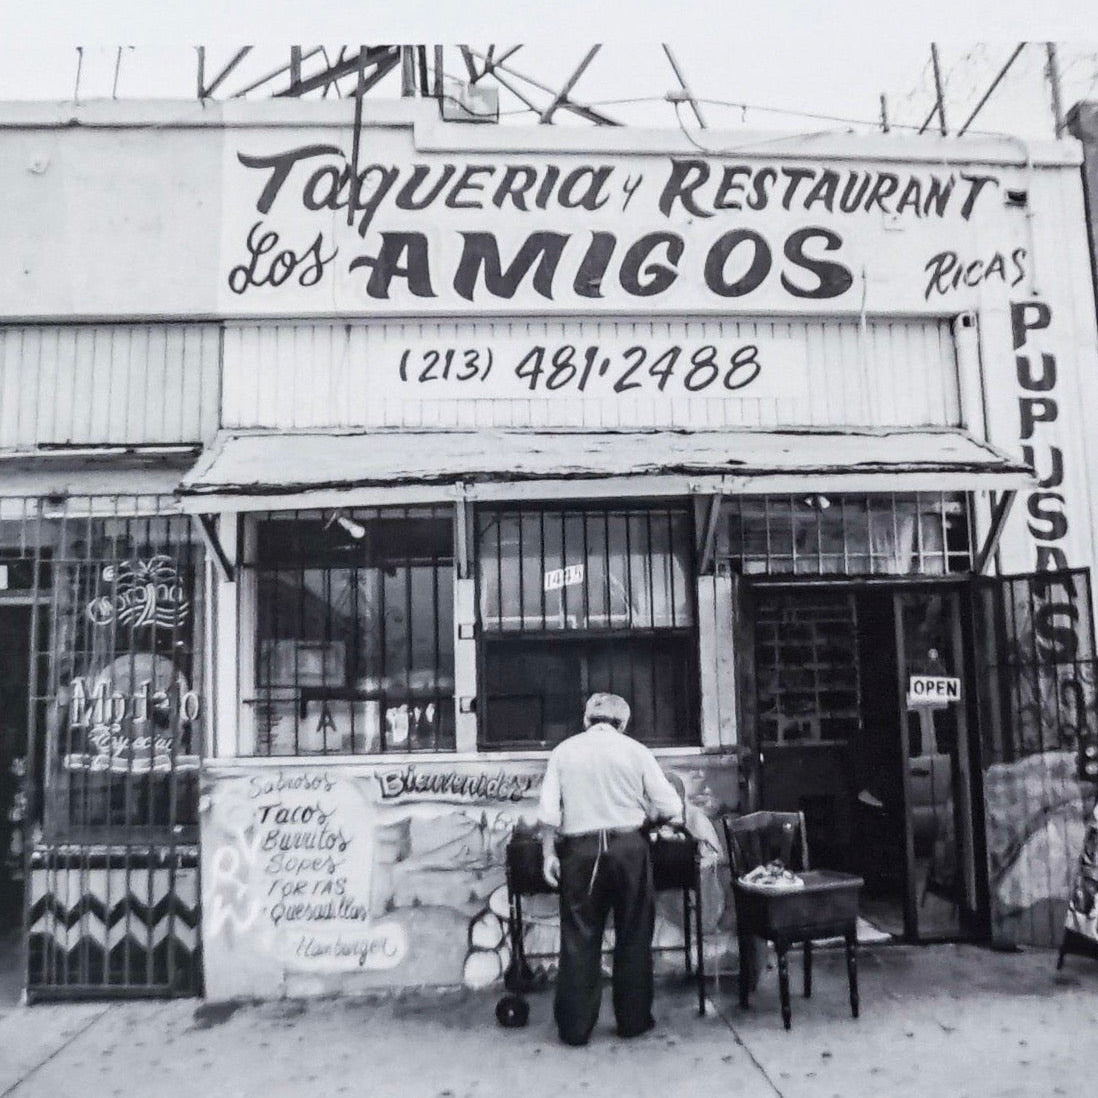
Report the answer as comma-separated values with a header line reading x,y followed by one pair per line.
x,y
629,1033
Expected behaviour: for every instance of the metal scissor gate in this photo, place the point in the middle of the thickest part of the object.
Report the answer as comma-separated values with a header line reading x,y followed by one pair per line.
x,y
114,734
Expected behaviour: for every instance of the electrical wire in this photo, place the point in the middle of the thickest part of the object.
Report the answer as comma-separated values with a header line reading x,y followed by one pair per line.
x,y
869,123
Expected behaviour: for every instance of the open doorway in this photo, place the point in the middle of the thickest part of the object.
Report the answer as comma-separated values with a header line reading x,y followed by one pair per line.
x,y
863,699
14,669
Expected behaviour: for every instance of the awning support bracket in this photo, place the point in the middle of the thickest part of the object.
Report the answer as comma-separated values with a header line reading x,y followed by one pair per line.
x,y
1001,504
705,553
207,526
461,533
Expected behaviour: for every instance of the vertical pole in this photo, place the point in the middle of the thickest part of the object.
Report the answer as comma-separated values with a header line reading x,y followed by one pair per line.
x,y
884,114
421,58
1052,71
201,71
79,66
407,72
438,72
356,138
295,67
117,68
939,96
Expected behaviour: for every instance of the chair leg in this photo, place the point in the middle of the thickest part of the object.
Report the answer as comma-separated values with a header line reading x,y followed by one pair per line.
x,y
701,944
686,931
783,984
808,969
746,947
852,969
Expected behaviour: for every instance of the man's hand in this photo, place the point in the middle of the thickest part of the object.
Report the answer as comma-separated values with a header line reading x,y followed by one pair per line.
x,y
550,869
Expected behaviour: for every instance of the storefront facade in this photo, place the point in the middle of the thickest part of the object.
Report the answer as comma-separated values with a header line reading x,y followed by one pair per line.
x,y
752,436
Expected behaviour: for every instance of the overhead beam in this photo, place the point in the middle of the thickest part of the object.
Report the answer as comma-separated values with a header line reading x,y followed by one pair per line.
x,y
994,84
562,96
682,84
206,92
583,111
278,72
385,58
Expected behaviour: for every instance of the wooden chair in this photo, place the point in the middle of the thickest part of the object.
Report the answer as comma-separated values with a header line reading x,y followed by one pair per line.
x,y
825,907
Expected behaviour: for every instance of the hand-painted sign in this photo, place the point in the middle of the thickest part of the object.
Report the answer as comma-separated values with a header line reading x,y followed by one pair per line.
x,y
301,862
932,691
508,367
306,228
453,784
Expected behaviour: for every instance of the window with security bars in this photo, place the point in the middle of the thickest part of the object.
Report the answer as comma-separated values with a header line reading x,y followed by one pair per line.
x,y
118,674
574,600
354,640
922,533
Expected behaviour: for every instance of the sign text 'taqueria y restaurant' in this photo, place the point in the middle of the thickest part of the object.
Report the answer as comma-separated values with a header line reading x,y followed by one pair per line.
x,y
328,499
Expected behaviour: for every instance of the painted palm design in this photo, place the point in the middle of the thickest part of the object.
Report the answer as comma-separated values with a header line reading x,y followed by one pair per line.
x,y
144,593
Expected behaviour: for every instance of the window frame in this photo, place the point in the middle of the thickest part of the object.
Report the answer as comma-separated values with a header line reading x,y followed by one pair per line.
x,y
251,693
687,635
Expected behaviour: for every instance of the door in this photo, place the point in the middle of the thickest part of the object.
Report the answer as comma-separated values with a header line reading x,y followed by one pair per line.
x,y
883,773
941,898
14,670
1038,727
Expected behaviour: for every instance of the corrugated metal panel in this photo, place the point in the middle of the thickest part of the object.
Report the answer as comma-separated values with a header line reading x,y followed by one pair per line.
x,y
887,373
95,384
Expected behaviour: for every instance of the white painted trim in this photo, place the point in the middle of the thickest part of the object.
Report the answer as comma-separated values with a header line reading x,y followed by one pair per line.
x,y
229,645
232,765
431,134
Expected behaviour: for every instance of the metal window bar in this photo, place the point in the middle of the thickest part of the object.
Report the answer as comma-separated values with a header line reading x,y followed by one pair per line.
x,y
862,550
623,563
360,601
107,829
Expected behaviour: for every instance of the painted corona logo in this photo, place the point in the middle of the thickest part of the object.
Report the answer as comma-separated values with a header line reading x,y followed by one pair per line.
x,y
144,592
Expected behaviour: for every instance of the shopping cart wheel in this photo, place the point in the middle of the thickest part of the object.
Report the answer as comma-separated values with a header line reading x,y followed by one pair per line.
x,y
512,1011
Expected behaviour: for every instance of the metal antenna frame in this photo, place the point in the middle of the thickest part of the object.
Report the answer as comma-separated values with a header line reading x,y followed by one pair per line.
x,y
421,72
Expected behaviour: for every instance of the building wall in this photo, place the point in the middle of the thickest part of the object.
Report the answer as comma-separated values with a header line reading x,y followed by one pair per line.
x,y
108,384
814,373
207,250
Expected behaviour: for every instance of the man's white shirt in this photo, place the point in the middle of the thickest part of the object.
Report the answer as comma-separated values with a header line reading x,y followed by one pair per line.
x,y
604,779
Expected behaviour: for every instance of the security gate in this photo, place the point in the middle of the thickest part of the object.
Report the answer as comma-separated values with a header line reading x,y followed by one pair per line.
x,y
1039,728
114,737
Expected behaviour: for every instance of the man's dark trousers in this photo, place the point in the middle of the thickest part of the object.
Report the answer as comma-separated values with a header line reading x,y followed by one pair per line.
x,y
623,884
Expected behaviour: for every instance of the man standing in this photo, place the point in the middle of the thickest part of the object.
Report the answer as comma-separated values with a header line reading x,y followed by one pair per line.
x,y
600,786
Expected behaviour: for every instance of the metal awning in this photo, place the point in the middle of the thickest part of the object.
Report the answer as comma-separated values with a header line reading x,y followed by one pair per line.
x,y
250,470
106,480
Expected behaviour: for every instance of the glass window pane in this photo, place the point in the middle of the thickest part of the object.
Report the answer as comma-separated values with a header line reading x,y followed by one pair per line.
x,y
354,651
535,691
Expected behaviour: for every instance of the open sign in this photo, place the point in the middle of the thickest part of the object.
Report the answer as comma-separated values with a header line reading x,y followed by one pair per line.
x,y
932,691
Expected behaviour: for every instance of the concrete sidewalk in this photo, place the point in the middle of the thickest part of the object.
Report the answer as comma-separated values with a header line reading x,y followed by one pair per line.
x,y
945,1020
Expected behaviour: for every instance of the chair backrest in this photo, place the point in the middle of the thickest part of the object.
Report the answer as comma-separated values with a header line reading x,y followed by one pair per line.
x,y
762,837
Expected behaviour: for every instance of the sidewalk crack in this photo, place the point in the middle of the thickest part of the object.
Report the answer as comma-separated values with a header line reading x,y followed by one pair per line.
x,y
739,1041
56,1052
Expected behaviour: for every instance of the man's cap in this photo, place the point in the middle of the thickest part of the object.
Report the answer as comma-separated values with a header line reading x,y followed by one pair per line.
x,y
606,707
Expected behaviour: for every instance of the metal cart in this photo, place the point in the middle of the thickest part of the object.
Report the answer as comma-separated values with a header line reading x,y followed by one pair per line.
x,y
676,866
